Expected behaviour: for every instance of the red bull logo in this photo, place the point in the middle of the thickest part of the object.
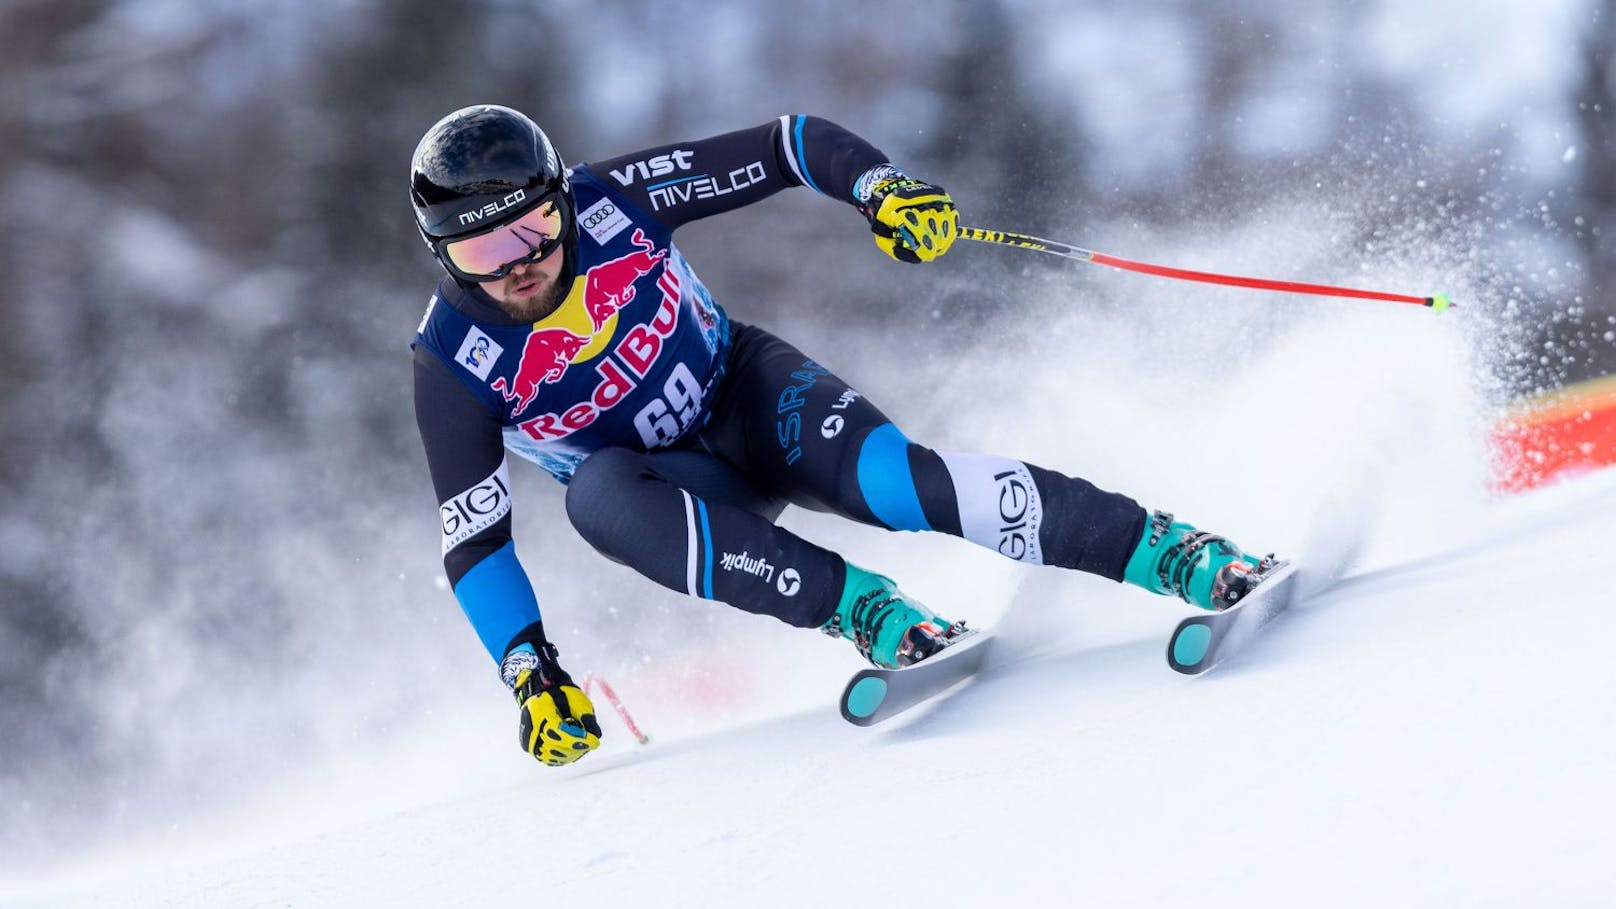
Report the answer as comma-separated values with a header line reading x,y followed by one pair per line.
x,y
545,357
607,288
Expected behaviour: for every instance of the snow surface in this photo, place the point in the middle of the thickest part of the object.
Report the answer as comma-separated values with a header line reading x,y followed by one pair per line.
x,y
1432,732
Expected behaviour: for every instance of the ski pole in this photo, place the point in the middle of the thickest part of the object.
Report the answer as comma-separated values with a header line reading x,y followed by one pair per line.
x,y
1436,302
617,705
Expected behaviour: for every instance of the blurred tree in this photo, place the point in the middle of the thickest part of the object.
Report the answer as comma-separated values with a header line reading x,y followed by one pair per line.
x,y
1026,163
1584,332
1595,97
1231,50
1013,160
39,113
39,109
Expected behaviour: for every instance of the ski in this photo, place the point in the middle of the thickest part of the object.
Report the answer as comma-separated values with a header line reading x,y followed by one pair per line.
x,y
874,694
1202,641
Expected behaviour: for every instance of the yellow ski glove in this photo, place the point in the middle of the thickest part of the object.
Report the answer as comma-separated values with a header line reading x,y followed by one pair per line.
x,y
558,724
912,221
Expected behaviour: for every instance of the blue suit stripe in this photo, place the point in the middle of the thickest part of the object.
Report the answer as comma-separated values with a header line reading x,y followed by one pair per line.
x,y
498,599
802,161
707,551
886,482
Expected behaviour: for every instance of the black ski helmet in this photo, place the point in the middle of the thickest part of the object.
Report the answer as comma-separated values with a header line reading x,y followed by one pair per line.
x,y
484,166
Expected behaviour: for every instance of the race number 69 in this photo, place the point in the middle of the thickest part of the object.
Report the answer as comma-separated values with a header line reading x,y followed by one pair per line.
x,y
666,418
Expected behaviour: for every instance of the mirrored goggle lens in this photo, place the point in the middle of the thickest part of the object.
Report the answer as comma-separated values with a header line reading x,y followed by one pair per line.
x,y
530,237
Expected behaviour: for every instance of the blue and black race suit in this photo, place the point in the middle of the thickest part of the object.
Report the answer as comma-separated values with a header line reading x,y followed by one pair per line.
x,y
682,434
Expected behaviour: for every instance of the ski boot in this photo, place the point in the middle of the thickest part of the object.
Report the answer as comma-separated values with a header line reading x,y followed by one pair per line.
x,y
1206,570
889,629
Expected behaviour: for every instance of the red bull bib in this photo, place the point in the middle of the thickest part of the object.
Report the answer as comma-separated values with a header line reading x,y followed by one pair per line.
x,y
630,358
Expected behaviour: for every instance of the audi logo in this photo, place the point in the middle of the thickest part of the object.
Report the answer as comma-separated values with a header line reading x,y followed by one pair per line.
x,y
595,218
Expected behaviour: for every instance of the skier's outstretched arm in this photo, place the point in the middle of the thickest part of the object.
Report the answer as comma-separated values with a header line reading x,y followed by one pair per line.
x,y
682,182
465,454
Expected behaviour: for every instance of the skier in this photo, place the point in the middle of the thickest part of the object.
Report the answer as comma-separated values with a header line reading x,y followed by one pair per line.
x,y
570,330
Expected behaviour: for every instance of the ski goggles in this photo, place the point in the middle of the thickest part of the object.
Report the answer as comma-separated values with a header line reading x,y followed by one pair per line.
x,y
491,255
